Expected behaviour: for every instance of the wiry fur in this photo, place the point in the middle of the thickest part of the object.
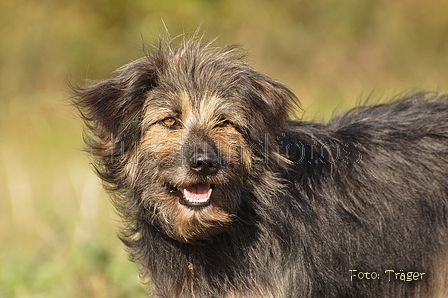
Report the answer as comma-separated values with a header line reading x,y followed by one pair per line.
x,y
296,205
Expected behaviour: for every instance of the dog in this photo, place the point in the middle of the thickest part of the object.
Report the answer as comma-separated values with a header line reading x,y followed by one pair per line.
x,y
223,195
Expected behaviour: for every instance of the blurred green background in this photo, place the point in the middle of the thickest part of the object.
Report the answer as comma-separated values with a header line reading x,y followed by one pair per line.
x,y
57,227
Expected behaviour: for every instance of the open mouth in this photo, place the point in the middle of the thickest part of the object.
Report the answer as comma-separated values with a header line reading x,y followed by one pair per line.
x,y
197,195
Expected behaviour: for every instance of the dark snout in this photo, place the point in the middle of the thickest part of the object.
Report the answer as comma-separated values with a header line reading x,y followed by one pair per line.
x,y
203,159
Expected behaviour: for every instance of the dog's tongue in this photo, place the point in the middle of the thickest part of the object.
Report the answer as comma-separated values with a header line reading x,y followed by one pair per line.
x,y
197,194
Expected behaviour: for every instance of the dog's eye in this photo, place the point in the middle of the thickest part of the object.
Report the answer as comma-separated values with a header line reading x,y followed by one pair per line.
x,y
169,122
222,122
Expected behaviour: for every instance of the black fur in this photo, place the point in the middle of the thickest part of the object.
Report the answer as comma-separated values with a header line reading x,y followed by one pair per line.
x,y
310,204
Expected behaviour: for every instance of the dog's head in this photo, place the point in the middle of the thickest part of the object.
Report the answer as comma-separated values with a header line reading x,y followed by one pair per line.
x,y
180,132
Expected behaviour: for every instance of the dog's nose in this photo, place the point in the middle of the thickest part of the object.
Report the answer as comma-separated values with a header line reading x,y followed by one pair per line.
x,y
205,165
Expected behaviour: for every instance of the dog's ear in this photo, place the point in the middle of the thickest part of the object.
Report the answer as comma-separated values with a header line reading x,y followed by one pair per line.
x,y
273,100
112,109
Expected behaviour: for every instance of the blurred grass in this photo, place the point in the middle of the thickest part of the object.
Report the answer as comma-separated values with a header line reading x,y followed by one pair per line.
x,y
57,227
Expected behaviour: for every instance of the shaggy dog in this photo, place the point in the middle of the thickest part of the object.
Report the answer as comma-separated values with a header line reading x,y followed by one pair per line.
x,y
223,196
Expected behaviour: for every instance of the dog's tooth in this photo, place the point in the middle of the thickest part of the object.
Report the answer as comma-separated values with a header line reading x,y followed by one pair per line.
x,y
186,194
209,193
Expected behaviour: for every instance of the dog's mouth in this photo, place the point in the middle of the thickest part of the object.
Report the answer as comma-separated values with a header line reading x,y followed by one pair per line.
x,y
197,195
